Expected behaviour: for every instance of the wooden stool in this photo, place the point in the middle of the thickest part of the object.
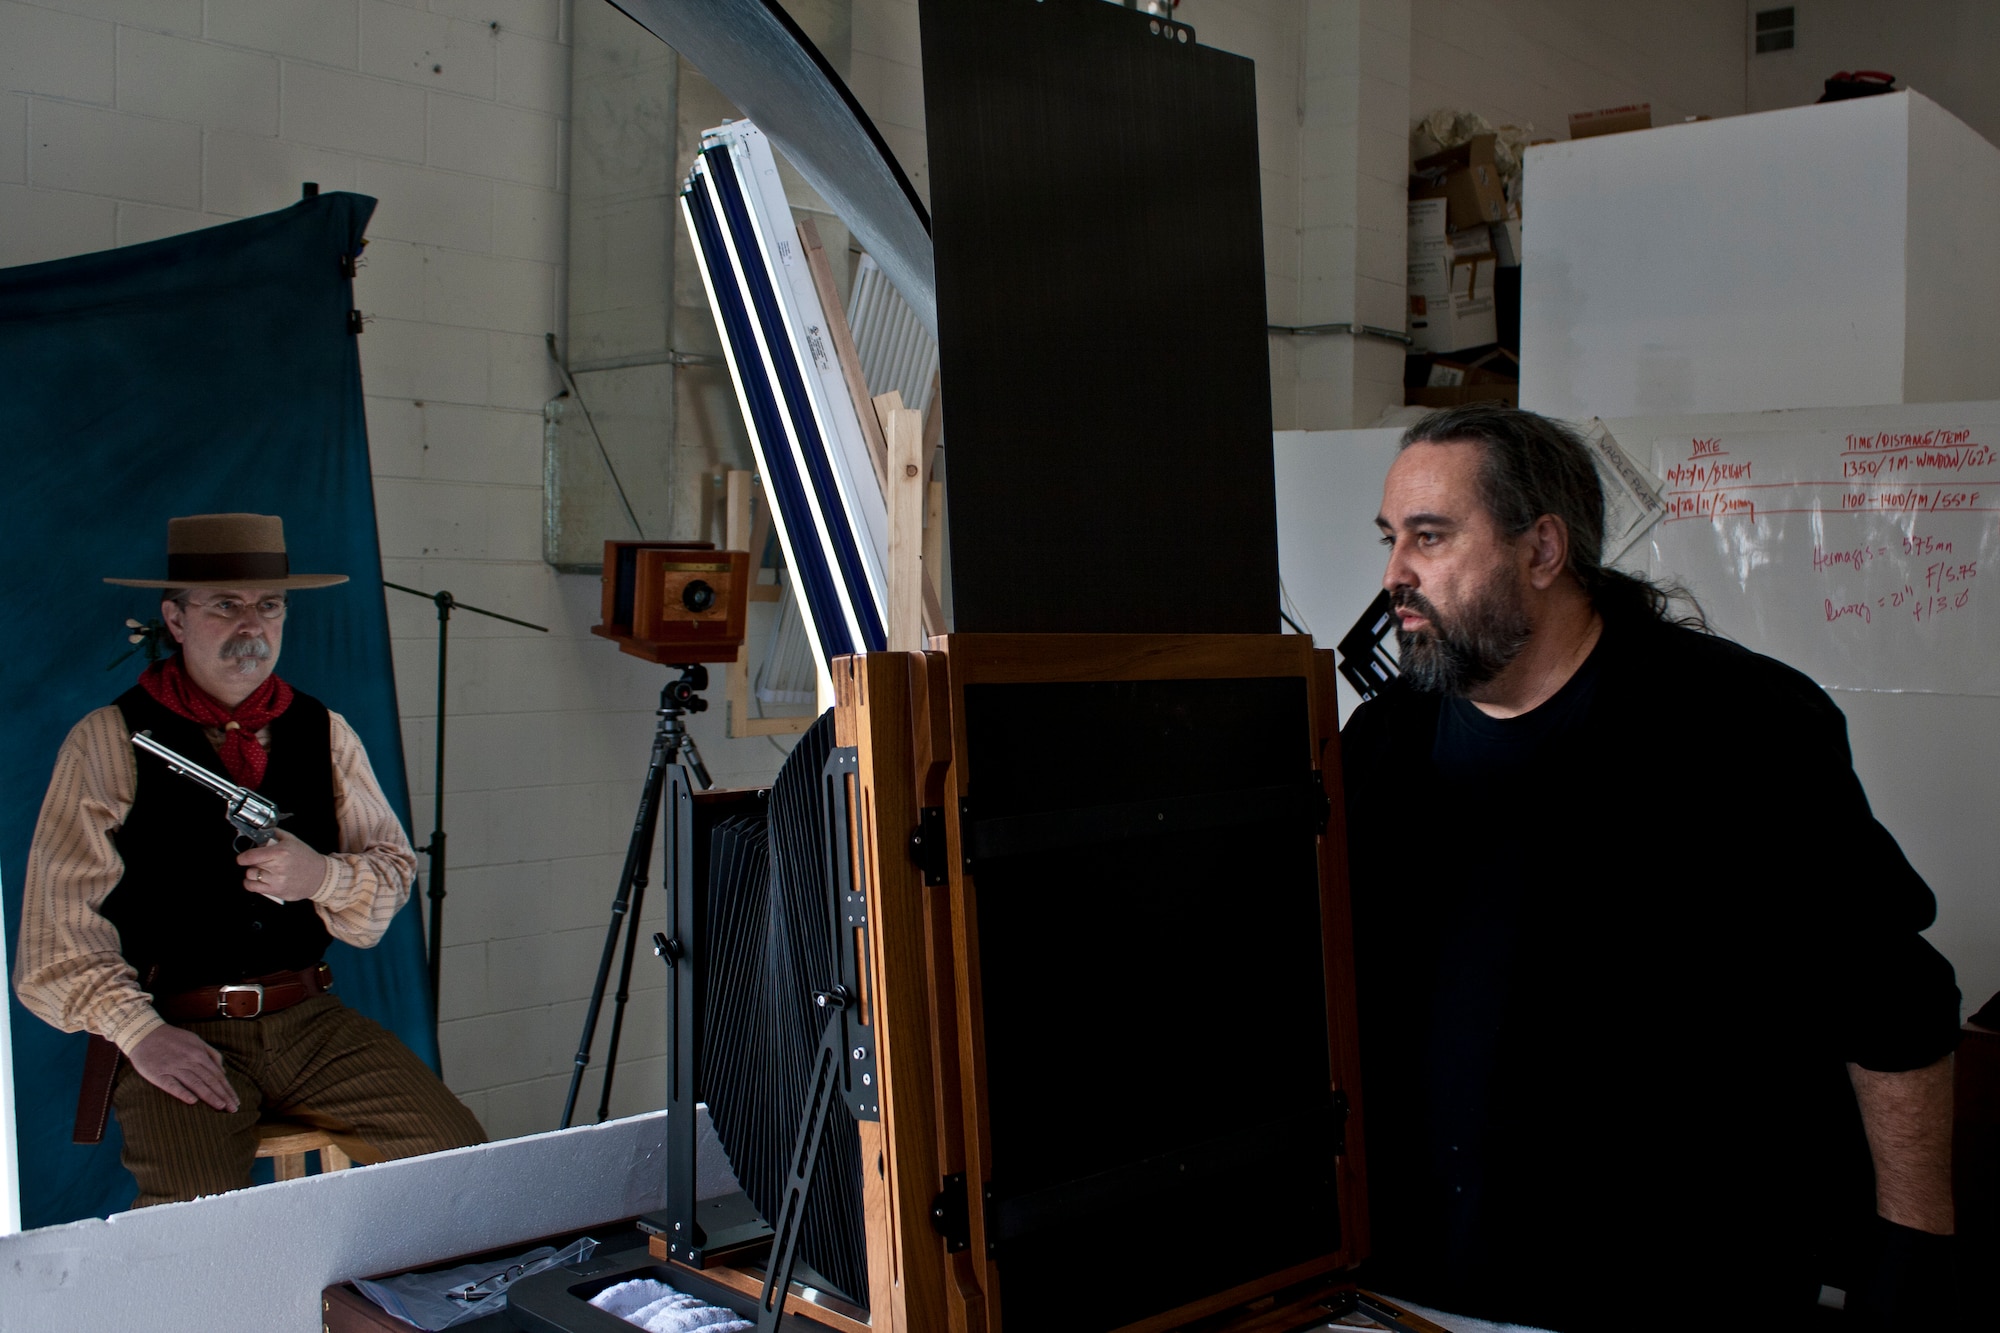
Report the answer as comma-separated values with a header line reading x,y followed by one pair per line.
x,y
286,1143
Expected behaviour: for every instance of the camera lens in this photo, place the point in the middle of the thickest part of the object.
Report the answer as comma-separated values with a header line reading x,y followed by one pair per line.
x,y
697,595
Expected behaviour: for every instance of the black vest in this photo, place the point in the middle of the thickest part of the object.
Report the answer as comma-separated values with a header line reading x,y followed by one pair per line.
x,y
181,903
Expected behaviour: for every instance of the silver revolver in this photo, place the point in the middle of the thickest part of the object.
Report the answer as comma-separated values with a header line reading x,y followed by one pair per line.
x,y
254,817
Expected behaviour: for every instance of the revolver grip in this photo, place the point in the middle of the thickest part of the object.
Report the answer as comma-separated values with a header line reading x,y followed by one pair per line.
x,y
246,838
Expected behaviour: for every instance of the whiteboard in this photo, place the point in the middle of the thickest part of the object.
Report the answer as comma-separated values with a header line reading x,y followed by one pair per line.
x,y
1927,757
1850,543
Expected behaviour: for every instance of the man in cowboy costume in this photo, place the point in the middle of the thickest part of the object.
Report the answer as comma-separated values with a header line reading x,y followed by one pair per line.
x,y
199,965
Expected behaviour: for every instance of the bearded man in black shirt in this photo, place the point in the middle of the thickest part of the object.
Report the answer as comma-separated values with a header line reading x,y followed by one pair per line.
x,y
1642,993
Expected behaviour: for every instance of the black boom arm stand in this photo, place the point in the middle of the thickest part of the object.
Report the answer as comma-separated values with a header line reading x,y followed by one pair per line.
x,y
434,849
673,749
844,1069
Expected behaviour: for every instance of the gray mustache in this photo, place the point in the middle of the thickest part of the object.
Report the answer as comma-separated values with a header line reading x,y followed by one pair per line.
x,y
235,648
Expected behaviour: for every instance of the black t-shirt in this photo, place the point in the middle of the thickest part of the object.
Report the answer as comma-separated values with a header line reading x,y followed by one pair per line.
x,y
1611,957
1489,768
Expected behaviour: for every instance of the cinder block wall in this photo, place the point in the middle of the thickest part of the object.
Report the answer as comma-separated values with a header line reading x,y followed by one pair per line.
x,y
1534,63
127,120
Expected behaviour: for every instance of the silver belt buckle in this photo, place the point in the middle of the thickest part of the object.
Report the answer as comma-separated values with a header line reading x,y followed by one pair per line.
x,y
222,1000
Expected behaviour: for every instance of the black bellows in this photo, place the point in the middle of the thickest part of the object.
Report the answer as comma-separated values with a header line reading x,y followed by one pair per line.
x,y
770,947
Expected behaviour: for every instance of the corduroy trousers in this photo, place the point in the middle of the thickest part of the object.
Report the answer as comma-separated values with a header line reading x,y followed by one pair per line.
x,y
317,1062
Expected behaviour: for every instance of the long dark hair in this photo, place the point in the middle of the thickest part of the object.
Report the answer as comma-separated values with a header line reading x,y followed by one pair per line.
x,y
1530,466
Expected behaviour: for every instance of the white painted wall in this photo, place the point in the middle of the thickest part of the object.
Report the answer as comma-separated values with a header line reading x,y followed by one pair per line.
x,y
256,1261
1942,48
126,120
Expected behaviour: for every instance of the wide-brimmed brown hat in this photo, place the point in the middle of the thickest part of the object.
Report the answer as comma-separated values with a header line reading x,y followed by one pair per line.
x,y
229,551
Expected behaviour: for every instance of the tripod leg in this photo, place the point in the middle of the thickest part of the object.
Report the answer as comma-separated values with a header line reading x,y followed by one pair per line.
x,y
692,758
638,853
639,882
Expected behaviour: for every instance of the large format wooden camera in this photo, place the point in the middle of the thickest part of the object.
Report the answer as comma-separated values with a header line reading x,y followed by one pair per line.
x,y
675,602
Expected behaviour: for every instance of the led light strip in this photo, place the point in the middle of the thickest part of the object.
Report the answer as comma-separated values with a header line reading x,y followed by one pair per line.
x,y
803,424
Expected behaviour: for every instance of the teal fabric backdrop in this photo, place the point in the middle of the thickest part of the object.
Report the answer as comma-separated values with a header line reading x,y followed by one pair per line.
x,y
205,373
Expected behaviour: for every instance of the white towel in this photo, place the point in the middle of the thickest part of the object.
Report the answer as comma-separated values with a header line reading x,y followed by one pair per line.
x,y
658,1308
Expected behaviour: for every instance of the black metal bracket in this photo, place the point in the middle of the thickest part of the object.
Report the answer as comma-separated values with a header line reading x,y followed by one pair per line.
x,y
685,911
1363,1303
859,1075
927,847
1362,659
826,1083
951,1215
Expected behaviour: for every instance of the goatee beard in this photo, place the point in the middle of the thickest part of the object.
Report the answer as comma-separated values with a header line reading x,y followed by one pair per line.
x,y
1457,656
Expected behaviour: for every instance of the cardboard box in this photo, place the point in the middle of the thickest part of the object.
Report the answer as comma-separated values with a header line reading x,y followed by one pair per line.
x,y
1457,311
1611,120
1429,236
1467,179
1450,281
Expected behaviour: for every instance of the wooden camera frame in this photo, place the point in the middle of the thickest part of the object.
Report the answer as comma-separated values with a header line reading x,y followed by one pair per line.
x,y
904,717
649,613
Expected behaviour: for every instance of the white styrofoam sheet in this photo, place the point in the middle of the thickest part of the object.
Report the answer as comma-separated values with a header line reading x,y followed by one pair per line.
x,y
255,1261
1329,551
1731,265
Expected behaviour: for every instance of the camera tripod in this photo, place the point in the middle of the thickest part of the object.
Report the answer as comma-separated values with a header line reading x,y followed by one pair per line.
x,y
673,750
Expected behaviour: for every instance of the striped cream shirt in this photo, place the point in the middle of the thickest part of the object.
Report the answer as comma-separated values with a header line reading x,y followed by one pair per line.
x,y
67,969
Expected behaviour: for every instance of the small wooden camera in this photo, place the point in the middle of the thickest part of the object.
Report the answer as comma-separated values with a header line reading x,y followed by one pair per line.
x,y
675,602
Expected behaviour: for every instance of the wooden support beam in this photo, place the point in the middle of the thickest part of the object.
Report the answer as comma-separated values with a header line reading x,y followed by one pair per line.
x,y
903,428
934,558
843,347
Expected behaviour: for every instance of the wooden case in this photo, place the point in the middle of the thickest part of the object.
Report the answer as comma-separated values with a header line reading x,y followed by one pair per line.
x,y
647,609
930,988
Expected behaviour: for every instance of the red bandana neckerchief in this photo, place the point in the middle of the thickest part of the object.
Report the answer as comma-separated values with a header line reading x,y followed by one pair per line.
x,y
244,759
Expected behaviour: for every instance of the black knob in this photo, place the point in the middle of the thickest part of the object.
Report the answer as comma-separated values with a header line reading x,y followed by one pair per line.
x,y
698,595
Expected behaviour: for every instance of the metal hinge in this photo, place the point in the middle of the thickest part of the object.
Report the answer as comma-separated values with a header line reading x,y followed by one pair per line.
x,y
951,1216
927,846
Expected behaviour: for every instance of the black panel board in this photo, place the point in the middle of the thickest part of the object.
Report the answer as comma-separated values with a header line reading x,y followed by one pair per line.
x,y
1098,236
1155,1010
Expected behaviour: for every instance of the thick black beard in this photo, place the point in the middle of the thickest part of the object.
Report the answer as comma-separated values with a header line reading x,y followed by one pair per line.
x,y
1456,657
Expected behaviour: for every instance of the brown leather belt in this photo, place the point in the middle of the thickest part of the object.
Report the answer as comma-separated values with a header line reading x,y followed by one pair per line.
x,y
246,999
